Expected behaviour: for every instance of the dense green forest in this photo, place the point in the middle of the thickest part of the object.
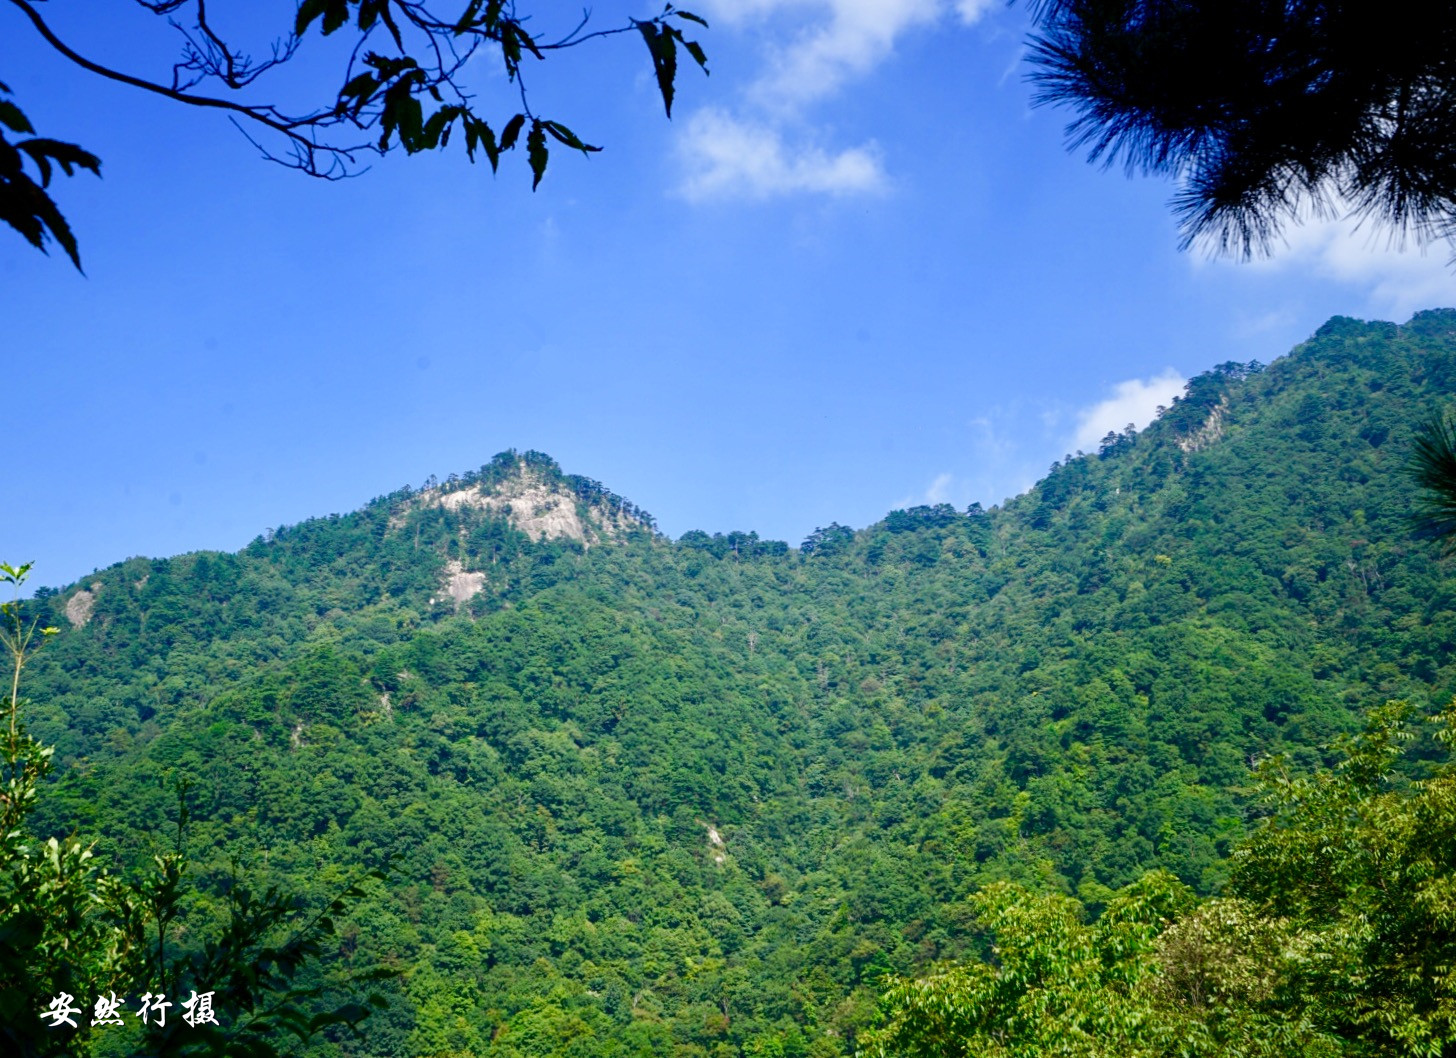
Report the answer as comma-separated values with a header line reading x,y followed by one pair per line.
x,y
640,796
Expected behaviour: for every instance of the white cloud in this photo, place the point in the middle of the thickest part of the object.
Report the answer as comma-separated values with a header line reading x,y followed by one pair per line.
x,y
820,46
856,37
971,11
943,489
1396,279
1401,281
939,490
727,157
1134,401
1247,326
834,40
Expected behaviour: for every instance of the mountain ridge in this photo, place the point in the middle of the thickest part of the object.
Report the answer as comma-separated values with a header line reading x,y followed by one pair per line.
x,y
1066,691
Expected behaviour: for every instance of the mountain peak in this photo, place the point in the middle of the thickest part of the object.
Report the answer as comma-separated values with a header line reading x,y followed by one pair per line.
x,y
534,496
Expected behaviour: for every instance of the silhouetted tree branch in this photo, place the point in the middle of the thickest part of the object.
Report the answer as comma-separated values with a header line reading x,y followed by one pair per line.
x,y
1264,110
401,87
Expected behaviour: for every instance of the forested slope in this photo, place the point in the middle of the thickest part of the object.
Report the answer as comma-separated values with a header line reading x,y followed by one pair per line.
x,y
696,797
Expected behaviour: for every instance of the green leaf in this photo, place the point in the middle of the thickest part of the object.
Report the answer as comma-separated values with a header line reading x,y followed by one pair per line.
x,y
528,41
1433,467
360,89
510,45
696,51
437,128
536,152
467,17
307,12
403,115
336,14
24,204
689,16
479,134
29,210
11,163
564,135
511,131
362,85
13,119
347,1014
41,160
13,574
388,19
67,155
662,46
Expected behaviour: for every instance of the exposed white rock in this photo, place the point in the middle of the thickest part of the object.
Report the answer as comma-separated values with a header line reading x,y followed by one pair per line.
x,y
1209,432
80,605
461,584
531,504
716,843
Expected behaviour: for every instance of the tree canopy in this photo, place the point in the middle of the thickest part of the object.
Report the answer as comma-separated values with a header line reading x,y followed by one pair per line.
x,y
1333,938
699,797
402,85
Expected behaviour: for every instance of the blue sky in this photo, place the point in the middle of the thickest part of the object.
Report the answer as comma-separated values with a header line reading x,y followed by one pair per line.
x,y
856,271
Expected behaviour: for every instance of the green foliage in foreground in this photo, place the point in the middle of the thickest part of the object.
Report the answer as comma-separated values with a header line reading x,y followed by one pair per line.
x,y
1336,936
72,933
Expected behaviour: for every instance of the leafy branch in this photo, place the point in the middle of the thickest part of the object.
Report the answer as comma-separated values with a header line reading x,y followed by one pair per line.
x,y
402,86
24,202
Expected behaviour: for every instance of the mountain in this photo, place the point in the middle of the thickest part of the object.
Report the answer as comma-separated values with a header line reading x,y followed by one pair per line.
x,y
695,797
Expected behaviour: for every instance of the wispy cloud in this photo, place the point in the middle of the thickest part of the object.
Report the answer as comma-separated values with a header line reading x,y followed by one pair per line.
x,y
727,157
821,45
1396,276
842,39
1135,401
1252,325
939,490
946,488
970,11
